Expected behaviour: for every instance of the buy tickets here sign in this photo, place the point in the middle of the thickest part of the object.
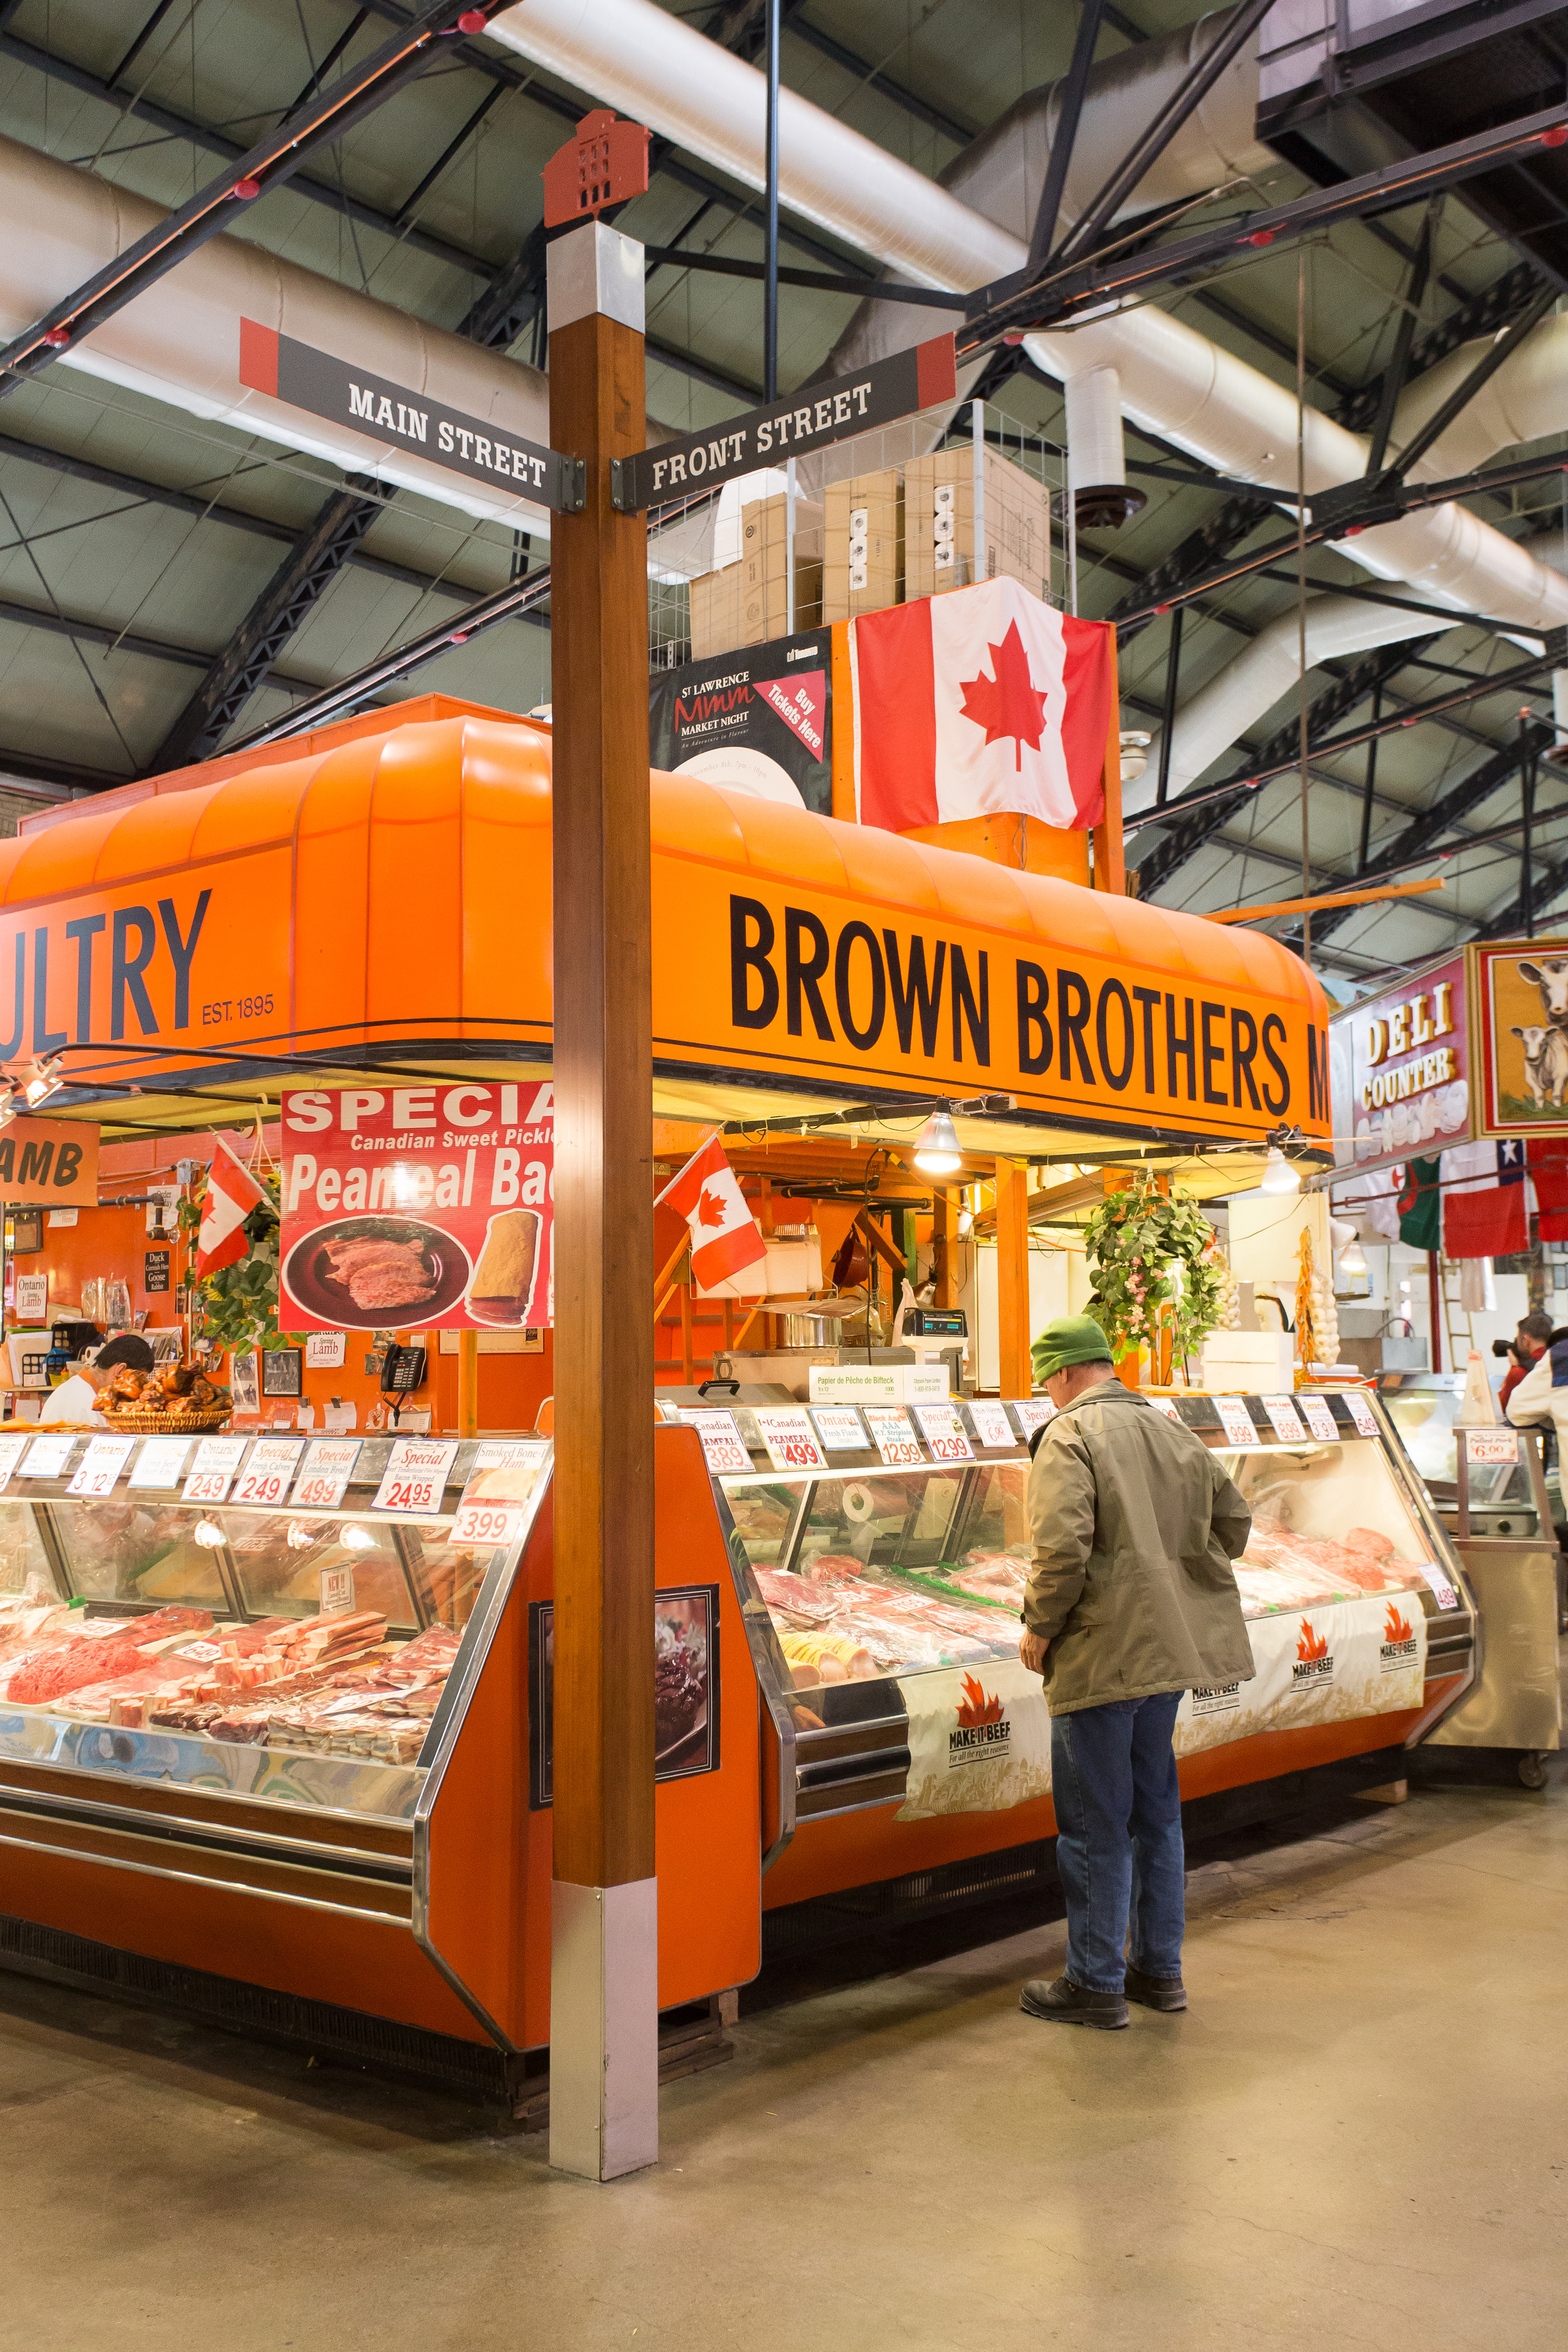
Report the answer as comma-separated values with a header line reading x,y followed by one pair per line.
x,y
423,1207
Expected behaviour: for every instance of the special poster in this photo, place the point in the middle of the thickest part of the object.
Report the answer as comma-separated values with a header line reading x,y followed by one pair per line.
x,y
422,1207
760,717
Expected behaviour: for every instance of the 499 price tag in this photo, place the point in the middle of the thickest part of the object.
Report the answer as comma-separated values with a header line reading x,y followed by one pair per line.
x,y
791,1441
414,1478
328,1467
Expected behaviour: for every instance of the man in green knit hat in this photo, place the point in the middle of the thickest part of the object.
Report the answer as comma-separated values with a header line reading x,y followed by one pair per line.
x,y
1131,1601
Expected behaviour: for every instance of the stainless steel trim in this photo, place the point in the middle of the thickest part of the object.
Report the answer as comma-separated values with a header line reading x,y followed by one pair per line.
x,y
400,1545
200,1878
768,1665
881,1760
1424,1510
835,1813
347,1860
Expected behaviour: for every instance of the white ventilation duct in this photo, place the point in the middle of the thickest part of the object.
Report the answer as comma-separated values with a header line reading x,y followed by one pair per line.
x,y
1253,679
1559,711
179,341
633,55
1096,464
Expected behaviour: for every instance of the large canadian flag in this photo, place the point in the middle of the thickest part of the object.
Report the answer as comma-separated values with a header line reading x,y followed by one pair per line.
x,y
982,701
727,1244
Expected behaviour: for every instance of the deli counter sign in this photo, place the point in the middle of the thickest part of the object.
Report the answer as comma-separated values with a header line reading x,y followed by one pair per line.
x,y
53,1162
1400,1065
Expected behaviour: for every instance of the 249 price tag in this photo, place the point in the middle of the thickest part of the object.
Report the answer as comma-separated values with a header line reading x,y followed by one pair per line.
x,y
217,1459
267,1472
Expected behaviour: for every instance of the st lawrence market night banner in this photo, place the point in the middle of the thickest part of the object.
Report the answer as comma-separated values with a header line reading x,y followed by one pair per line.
x,y
418,1208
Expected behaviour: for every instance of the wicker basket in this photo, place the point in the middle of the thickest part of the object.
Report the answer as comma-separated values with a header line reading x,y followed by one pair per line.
x,y
190,1423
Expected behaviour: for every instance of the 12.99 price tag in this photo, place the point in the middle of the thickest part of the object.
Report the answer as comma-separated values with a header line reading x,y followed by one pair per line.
x,y
212,1472
891,1436
944,1433
786,1430
414,1478
102,1461
268,1471
325,1473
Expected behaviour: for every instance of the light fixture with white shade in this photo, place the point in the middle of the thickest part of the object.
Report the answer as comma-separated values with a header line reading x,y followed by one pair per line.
x,y
936,1146
1353,1258
1278,1176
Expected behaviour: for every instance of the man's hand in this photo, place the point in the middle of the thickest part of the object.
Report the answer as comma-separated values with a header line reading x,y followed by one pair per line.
x,y
1032,1648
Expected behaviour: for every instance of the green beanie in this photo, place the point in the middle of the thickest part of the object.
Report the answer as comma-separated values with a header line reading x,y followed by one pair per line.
x,y
1070,1340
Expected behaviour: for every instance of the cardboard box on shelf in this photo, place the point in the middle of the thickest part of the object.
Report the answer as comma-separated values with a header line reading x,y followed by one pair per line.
x,y
862,545
939,524
729,610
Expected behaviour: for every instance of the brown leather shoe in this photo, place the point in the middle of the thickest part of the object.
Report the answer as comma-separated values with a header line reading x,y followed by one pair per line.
x,y
1061,2002
1167,1993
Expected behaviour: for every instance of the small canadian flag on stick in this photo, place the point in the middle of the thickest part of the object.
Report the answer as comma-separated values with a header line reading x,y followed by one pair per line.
x,y
726,1239
232,1194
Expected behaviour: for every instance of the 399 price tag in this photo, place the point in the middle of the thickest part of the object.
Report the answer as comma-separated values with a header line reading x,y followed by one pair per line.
x,y
944,1433
490,1524
787,1431
266,1476
414,1478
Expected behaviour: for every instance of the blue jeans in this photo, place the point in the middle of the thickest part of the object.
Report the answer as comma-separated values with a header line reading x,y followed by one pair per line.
x,y
1119,1839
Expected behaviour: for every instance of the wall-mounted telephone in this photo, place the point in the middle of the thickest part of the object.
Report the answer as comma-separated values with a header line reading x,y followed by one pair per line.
x,y
401,1369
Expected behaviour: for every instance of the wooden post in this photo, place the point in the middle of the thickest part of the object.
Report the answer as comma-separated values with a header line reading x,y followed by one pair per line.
x,y
1109,866
687,1364
1013,1278
468,1383
943,1240
604,1980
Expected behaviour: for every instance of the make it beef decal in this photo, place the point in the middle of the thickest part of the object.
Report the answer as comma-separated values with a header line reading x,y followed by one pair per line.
x,y
851,983
982,1729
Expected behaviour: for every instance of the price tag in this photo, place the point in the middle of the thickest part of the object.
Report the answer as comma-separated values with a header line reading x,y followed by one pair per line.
x,y
891,1436
325,1473
47,1456
944,1433
1032,1413
1442,1591
1361,1413
1287,1422
337,1591
992,1426
11,1452
1490,1445
1236,1421
839,1428
1167,1406
217,1459
161,1463
103,1459
791,1441
267,1473
1320,1420
414,1478
721,1447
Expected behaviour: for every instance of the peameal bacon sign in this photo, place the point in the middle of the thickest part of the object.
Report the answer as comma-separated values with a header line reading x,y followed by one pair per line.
x,y
755,974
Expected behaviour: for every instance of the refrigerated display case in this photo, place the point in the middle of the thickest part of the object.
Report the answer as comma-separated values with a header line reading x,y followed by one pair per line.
x,y
1425,1409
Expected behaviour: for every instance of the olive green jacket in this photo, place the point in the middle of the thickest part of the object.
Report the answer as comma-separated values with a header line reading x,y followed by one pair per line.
x,y
1134,1526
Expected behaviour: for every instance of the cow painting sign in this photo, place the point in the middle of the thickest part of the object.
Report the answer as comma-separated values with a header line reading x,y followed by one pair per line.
x,y
1522,1019
418,1207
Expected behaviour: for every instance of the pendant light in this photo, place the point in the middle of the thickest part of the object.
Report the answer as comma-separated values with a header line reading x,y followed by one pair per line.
x,y
936,1146
1278,1176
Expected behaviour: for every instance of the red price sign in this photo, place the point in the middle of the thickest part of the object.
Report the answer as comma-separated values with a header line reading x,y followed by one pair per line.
x,y
11,1452
319,1491
268,1470
206,1486
414,1478
1361,1413
486,1524
101,1464
944,1433
789,1437
329,1465
217,1459
262,1486
894,1439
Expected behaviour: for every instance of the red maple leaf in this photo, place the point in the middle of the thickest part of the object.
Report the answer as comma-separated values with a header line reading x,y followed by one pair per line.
x,y
1008,705
712,1209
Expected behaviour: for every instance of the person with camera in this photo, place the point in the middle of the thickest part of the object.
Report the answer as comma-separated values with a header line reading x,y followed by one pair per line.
x,y
1524,1351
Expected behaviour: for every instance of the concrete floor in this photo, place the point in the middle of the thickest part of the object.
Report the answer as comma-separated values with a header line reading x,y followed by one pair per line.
x,y
1357,2136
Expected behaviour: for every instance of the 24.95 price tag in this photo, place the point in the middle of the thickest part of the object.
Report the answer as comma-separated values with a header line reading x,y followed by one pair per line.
x,y
212,1472
266,1473
786,1430
414,1478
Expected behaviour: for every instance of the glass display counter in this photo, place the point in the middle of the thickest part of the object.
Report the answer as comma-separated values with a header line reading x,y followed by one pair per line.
x,y
1424,1408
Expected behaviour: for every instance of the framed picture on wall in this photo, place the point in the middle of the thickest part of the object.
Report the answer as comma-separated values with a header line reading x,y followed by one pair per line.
x,y
282,1372
26,1232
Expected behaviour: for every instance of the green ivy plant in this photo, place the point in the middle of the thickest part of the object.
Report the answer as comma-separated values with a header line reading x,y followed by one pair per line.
x,y
238,1306
1130,1243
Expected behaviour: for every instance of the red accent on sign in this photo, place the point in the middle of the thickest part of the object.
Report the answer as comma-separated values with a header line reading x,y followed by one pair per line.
x,y
936,372
258,357
606,164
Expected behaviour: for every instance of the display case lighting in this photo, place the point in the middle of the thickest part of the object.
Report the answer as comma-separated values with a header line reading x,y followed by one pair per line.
x,y
358,1539
208,1534
936,1146
1278,1176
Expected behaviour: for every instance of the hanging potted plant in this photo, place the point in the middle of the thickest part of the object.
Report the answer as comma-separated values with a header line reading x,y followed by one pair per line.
x,y
1156,1265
